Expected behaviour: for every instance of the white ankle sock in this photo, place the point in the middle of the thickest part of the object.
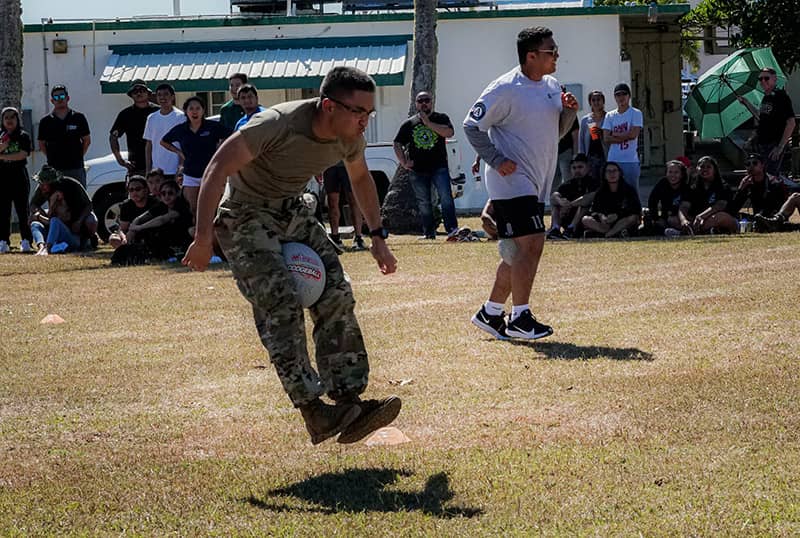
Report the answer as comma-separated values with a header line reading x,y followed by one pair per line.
x,y
516,310
493,309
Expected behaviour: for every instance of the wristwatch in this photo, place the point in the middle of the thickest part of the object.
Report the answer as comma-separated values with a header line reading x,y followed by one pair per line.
x,y
381,232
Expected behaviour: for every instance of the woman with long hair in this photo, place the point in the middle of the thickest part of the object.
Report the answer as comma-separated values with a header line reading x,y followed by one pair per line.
x,y
670,202
199,138
590,136
710,198
15,184
616,209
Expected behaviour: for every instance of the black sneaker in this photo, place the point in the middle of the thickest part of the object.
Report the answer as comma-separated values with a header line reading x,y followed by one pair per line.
x,y
526,326
358,244
769,224
555,234
494,325
568,233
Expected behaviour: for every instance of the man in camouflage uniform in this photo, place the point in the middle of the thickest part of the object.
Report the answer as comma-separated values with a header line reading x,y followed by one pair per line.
x,y
269,162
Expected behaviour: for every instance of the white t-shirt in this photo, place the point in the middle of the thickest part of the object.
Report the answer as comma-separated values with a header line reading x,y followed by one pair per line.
x,y
521,118
156,127
624,152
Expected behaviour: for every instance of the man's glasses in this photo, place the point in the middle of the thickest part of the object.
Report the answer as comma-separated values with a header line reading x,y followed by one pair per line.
x,y
762,79
135,189
751,162
424,100
360,112
59,97
553,51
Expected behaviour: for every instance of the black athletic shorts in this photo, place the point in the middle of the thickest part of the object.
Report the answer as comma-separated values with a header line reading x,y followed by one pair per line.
x,y
517,217
336,180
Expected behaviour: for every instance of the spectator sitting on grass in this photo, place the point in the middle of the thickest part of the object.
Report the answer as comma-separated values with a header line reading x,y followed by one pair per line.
x,y
781,217
137,203
164,228
710,198
670,202
572,199
69,222
616,208
766,193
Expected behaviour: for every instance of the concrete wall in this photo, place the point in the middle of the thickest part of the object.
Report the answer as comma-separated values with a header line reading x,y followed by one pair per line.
x,y
472,52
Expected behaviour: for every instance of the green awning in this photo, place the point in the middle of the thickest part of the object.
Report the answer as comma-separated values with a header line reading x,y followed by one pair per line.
x,y
283,63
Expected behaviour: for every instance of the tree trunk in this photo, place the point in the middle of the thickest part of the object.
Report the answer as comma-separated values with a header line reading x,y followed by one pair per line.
x,y
10,53
400,211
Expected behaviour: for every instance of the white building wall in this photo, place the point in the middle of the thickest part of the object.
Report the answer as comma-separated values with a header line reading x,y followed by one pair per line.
x,y
472,52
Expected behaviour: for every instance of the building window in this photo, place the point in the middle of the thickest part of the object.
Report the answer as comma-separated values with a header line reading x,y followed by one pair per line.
x,y
717,40
217,100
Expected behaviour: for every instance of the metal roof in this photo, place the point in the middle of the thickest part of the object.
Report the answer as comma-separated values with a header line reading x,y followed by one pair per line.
x,y
190,68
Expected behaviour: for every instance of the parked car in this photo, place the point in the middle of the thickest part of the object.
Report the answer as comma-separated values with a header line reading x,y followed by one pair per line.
x,y
105,180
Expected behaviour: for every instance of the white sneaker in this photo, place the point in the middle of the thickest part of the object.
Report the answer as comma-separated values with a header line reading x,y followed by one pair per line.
x,y
25,246
4,248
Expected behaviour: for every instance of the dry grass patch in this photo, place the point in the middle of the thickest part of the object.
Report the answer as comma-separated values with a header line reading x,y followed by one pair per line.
x,y
665,403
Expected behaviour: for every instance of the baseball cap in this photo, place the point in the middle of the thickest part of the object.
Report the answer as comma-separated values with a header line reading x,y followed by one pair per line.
x,y
622,88
580,158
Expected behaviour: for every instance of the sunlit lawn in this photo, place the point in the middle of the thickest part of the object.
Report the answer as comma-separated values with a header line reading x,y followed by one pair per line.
x,y
666,402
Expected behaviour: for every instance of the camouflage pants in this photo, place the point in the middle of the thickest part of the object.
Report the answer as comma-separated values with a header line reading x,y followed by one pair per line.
x,y
251,237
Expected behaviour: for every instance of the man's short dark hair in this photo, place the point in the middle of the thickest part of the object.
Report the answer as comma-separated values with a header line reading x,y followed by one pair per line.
x,y
240,76
530,39
137,179
580,158
155,172
247,88
342,81
59,88
167,87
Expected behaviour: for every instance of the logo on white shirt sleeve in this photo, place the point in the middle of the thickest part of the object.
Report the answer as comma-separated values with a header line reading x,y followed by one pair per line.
x,y
478,111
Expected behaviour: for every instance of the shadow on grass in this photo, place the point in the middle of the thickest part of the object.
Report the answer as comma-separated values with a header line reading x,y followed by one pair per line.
x,y
363,490
569,351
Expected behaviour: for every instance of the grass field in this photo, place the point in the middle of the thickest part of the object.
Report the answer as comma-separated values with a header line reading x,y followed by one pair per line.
x,y
666,403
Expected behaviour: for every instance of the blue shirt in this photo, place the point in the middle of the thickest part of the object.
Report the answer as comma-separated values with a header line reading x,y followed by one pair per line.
x,y
199,147
244,119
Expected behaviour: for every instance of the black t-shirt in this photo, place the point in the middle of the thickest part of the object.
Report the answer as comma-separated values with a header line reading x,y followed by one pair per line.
x,y
623,203
75,196
19,140
665,201
425,146
176,232
776,109
199,147
577,187
129,211
566,142
766,201
704,196
64,139
130,123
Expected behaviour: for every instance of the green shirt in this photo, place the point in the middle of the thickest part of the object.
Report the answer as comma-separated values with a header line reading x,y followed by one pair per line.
x,y
287,154
229,114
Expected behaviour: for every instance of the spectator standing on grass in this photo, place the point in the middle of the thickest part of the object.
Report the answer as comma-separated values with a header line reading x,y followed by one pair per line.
x,y
130,123
15,147
621,128
248,100
710,197
421,149
157,125
68,221
514,126
64,136
231,112
590,135
766,194
199,138
670,202
570,202
616,209
776,120
336,183
138,202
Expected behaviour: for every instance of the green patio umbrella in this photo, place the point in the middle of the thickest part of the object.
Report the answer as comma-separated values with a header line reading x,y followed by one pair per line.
x,y
712,104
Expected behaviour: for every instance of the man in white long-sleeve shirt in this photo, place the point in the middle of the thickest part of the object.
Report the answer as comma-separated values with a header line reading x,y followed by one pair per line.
x,y
514,127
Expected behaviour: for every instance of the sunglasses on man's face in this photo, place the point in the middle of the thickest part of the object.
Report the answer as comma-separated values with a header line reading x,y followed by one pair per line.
x,y
60,97
424,100
762,79
751,162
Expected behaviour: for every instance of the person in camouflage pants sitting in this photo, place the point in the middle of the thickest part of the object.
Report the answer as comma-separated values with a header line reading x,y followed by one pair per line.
x,y
269,162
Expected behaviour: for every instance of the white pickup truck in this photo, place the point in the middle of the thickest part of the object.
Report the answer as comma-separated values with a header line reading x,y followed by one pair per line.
x,y
105,179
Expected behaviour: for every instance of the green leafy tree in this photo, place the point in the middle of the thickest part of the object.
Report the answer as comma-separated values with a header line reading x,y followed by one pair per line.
x,y
753,23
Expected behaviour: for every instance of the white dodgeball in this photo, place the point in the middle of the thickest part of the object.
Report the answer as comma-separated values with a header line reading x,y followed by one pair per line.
x,y
307,270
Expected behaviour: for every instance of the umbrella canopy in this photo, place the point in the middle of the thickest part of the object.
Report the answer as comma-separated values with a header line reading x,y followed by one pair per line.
x,y
712,104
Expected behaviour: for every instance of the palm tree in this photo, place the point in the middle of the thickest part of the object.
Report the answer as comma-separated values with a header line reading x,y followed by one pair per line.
x,y
11,53
400,212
